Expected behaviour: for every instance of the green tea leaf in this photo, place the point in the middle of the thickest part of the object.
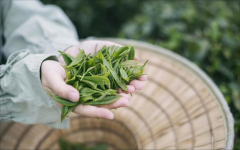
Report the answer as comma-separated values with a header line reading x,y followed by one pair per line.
x,y
124,74
101,97
103,69
64,109
98,68
120,51
107,74
111,91
104,47
124,53
105,101
135,76
103,87
71,81
82,63
86,98
61,100
144,64
88,91
90,83
137,70
80,86
115,85
99,55
106,63
69,110
116,67
95,50
109,59
90,63
117,79
128,63
89,69
72,70
97,60
78,58
112,50
131,53
64,112
75,85
68,75
103,50
120,57
100,80
67,58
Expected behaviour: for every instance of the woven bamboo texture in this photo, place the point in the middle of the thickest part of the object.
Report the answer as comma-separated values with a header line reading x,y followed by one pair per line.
x,y
179,108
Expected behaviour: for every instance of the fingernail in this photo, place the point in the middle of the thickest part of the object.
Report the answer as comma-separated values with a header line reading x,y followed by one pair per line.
x,y
73,96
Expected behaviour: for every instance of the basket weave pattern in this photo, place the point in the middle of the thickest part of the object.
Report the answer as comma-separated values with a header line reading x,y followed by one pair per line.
x,y
175,110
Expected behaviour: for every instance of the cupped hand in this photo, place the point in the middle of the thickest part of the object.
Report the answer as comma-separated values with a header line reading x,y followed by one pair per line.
x,y
89,47
53,78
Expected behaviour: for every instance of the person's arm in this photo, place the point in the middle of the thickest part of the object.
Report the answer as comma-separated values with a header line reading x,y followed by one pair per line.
x,y
57,85
23,98
37,27
33,33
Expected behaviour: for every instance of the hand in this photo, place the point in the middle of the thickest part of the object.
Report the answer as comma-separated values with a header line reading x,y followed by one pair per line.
x,y
53,76
89,47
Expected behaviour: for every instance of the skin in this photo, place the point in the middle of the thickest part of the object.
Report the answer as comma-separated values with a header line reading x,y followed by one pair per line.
x,y
53,76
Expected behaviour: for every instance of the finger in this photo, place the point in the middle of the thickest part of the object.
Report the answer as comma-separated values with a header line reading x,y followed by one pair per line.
x,y
136,58
89,46
137,84
93,111
63,90
130,89
125,95
143,78
122,102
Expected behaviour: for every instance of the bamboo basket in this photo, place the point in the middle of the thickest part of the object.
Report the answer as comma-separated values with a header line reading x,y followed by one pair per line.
x,y
179,108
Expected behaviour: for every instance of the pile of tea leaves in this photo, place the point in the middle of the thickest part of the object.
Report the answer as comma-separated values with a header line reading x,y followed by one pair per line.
x,y
99,77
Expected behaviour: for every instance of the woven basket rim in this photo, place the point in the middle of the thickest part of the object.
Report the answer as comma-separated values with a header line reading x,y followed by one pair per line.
x,y
227,115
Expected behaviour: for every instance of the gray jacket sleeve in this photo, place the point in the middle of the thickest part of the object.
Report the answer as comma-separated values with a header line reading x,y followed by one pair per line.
x,y
34,33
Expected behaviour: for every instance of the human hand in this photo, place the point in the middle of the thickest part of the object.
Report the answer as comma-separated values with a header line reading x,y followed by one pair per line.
x,y
53,76
89,47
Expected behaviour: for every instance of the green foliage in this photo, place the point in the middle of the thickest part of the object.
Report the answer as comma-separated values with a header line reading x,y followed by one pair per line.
x,y
205,32
91,80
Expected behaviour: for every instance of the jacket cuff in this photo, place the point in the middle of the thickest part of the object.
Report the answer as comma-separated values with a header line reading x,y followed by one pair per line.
x,y
23,98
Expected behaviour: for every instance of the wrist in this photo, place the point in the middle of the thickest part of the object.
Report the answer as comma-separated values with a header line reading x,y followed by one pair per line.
x,y
54,58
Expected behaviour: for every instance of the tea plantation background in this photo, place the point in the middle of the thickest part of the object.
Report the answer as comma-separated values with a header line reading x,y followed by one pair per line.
x,y
205,32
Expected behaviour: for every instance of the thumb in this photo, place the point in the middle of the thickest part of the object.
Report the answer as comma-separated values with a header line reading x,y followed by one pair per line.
x,y
64,90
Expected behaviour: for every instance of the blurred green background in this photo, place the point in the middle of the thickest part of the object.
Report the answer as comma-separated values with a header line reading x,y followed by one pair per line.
x,y
205,32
